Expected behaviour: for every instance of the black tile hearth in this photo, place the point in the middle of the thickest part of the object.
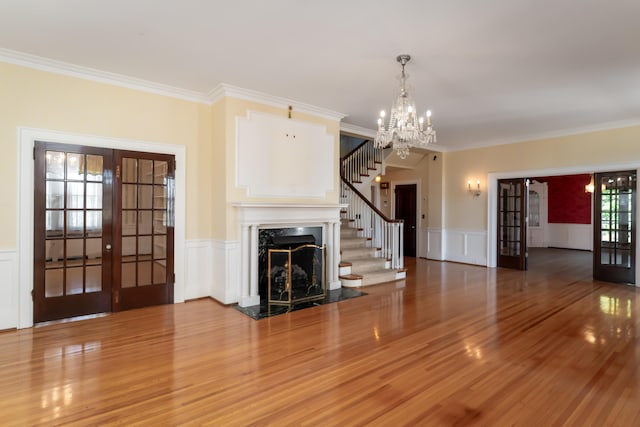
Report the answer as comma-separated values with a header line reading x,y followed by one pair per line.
x,y
264,310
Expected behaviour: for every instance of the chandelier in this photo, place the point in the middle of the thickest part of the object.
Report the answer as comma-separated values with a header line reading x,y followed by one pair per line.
x,y
405,128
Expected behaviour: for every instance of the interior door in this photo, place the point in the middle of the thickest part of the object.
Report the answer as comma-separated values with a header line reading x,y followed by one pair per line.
x,y
72,231
512,223
406,211
144,212
614,255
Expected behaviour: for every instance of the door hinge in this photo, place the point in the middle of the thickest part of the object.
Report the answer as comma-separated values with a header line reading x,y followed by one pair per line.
x,y
118,171
34,153
174,277
33,295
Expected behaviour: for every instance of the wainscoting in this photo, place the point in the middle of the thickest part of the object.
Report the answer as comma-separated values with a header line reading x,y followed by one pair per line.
x,y
570,236
466,246
8,289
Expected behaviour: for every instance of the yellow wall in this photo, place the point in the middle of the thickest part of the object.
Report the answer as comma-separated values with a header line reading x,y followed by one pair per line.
x,y
38,99
44,100
429,173
589,150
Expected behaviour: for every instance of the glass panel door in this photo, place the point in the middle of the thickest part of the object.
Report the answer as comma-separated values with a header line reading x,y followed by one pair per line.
x,y
614,237
144,217
72,230
512,216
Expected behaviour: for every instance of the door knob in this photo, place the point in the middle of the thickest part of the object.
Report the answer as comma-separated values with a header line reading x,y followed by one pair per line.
x,y
108,247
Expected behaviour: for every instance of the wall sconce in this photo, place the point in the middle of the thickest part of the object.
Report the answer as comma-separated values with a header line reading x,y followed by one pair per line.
x,y
474,191
590,187
378,178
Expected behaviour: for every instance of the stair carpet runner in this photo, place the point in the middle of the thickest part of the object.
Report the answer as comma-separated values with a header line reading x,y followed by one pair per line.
x,y
359,263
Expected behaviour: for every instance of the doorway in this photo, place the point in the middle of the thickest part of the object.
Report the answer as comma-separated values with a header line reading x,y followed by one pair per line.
x,y
103,230
406,210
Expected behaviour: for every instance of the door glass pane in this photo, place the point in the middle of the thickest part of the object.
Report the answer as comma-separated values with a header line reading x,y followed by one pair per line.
x,y
53,283
159,225
159,273
94,168
144,273
145,169
75,167
144,224
54,165
160,172
94,278
54,223
144,247
75,251
75,195
94,251
94,223
129,170
55,195
75,223
54,252
144,201
74,281
94,195
129,247
129,196
128,223
159,247
128,274
159,197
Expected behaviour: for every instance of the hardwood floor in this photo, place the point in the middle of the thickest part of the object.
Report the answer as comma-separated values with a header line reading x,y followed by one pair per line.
x,y
451,345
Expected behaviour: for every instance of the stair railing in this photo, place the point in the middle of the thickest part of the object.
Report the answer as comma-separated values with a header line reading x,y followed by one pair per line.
x,y
360,161
384,233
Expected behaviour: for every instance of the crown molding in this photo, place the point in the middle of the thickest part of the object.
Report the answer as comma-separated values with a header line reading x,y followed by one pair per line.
x,y
224,90
601,127
67,69
357,130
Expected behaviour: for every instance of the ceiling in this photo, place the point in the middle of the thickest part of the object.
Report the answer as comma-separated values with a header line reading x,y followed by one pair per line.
x,y
492,72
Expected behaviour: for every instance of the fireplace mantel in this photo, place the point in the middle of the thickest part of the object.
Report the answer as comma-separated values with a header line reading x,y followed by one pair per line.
x,y
253,216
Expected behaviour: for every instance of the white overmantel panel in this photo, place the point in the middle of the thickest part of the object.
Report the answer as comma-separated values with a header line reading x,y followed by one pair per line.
x,y
281,157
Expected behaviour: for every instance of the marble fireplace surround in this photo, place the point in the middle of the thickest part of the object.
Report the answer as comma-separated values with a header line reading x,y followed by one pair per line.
x,y
255,216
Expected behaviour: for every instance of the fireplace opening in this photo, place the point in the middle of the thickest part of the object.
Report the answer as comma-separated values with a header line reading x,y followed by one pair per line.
x,y
294,267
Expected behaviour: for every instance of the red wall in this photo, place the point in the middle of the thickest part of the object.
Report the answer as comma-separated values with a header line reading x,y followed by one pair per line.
x,y
568,202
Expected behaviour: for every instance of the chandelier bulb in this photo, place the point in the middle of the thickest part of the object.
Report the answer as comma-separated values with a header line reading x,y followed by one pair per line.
x,y
382,113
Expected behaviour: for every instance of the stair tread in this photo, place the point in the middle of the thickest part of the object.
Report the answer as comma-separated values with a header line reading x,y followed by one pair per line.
x,y
350,277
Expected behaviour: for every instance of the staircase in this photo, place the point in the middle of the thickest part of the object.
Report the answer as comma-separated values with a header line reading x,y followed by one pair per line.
x,y
370,243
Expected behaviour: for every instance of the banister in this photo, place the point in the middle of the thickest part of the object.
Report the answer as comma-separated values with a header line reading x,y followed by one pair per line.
x,y
368,203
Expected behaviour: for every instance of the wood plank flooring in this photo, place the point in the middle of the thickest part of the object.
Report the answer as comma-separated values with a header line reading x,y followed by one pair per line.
x,y
451,345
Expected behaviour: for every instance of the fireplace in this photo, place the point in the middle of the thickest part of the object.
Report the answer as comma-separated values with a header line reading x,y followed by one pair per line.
x,y
258,220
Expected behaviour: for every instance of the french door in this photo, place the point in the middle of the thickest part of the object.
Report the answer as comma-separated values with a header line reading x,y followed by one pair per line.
x,y
80,266
614,244
144,223
512,223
